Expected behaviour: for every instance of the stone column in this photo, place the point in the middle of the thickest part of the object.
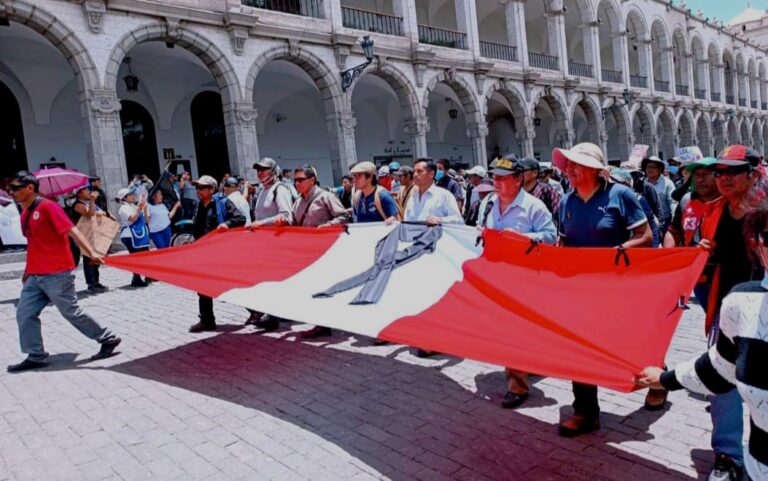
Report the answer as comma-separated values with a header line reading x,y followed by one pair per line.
x,y
592,50
668,56
689,60
703,66
624,51
515,13
648,54
603,136
654,148
477,132
466,21
407,10
332,13
104,138
567,137
341,136
242,141
525,136
556,34
417,129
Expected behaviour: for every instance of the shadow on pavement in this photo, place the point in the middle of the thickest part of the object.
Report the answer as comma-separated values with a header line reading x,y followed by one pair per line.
x,y
399,419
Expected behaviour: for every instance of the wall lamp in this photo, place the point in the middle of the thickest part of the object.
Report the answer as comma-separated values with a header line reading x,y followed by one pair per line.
x,y
348,76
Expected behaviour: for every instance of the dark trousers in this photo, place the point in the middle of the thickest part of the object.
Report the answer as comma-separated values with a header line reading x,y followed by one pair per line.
x,y
129,245
585,400
206,311
91,272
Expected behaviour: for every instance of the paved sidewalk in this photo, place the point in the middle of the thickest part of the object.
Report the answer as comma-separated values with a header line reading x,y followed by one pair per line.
x,y
240,405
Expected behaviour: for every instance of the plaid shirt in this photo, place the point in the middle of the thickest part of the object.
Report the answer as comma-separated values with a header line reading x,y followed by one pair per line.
x,y
547,194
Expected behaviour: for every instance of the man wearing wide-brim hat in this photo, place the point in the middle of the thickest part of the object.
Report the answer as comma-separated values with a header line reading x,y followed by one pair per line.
x,y
595,213
654,170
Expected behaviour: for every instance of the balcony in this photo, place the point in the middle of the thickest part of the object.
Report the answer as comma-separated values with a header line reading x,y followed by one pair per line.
x,y
542,60
305,8
729,99
442,37
742,102
681,90
613,76
580,69
700,94
753,104
638,81
371,21
764,106
715,96
498,51
661,85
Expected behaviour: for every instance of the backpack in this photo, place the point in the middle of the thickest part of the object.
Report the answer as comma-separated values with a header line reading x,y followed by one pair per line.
x,y
377,202
290,191
220,201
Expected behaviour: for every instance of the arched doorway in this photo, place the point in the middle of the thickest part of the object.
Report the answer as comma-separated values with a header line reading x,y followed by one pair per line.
x,y
551,127
139,141
704,136
504,114
665,131
13,154
209,135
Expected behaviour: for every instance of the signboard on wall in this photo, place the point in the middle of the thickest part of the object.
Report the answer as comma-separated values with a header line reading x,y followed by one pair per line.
x,y
169,153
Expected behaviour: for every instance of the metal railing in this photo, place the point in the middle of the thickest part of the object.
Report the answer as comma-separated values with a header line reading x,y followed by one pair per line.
x,y
753,104
715,96
442,37
613,76
764,106
542,60
371,21
681,89
306,8
661,85
700,93
742,102
580,69
638,81
729,99
499,51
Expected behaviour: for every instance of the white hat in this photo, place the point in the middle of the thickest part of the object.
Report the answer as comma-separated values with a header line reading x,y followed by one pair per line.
x,y
122,193
384,171
585,153
477,170
206,181
364,168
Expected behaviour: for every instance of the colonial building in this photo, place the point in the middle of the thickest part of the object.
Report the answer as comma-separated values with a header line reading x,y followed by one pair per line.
x,y
114,87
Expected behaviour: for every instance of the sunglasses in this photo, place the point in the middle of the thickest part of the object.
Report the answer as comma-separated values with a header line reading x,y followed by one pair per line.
x,y
298,180
732,171
203,187
15,187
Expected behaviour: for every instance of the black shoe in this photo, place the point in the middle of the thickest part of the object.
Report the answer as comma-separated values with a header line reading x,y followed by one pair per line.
x,y
138,283
317,331
253,318
26,365
422,353
578,424
380,342
726,469
268,323
200,327
512,400
107,349
96,289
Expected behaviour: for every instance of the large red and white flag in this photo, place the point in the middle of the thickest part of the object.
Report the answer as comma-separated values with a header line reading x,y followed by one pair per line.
x,y
586,314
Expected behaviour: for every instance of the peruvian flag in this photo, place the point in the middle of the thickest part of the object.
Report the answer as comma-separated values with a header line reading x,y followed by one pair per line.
x,y
591,315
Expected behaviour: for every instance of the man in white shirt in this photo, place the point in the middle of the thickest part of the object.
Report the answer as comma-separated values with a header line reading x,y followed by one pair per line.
x,y
231,190
431,204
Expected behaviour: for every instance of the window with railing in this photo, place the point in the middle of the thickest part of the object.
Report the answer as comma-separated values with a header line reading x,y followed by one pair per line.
x,y
764,106
371,21
700,94
742,102
542,60
681,89
580,69
306,8
715,96
498,51
753,104
638,81
442,37
729,99
661,85
613,76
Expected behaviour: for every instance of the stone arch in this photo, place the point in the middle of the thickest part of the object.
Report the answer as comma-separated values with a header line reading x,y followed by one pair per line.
x,y
513,95
192,41
556,103
645,128
666,131
660,42
406,94
719,132
636,17
744,132
61,37
593,112
704,134
686,128
617,146
757,139
463,90
319,72
732,132
516,106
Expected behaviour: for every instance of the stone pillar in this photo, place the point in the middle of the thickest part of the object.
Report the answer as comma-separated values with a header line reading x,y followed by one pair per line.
x,y
703,66
556,34
624,51
104,138
603,136
341,136
242,141
407,10
332,13
477,132
515,13
630,140
592,50
466,21
654,148
689,59
566,137
648,54
417,129
670,60
525,136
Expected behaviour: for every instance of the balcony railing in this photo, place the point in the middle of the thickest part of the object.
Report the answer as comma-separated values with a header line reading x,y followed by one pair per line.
x,y
371,21
542,60
764,106
715,96
442,37
729,99
613,76
742,102
753,104
700,93
638,81
661,85
681,89
580,69
306,8
499,51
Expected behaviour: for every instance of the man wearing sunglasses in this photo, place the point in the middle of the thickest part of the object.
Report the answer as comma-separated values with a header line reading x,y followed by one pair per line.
x,y
49,275
740,186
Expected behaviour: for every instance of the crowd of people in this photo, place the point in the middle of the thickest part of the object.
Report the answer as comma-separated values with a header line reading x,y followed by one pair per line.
x,y
577,200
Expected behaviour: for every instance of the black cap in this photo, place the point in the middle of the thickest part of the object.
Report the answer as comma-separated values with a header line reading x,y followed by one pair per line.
x,y
231,182
94,178
507,165
529,163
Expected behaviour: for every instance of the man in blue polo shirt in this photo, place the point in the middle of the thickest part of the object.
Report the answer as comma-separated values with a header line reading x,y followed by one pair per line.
x,y
370,202
595,214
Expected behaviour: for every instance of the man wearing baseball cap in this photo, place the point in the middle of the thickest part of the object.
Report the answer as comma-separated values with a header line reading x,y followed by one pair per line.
x,y
475,175
654,170
541,190
595,214
370,201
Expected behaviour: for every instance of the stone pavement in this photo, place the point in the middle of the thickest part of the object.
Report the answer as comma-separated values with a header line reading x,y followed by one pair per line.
x,y
240,405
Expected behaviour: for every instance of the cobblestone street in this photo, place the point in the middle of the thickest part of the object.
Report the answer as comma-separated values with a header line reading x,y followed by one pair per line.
x,y
236,404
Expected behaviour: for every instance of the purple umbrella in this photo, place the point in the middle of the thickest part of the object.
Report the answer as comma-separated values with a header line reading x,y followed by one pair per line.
x,y
57,181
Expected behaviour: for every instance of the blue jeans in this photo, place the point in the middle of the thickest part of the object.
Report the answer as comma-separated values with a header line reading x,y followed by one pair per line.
x,y
162,239
59,289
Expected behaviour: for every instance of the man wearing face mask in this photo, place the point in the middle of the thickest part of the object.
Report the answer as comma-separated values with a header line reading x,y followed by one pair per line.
x,y
442,179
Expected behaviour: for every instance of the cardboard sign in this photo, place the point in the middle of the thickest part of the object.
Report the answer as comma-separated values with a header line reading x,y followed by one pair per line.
x,y
100,232
639,152
686,155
